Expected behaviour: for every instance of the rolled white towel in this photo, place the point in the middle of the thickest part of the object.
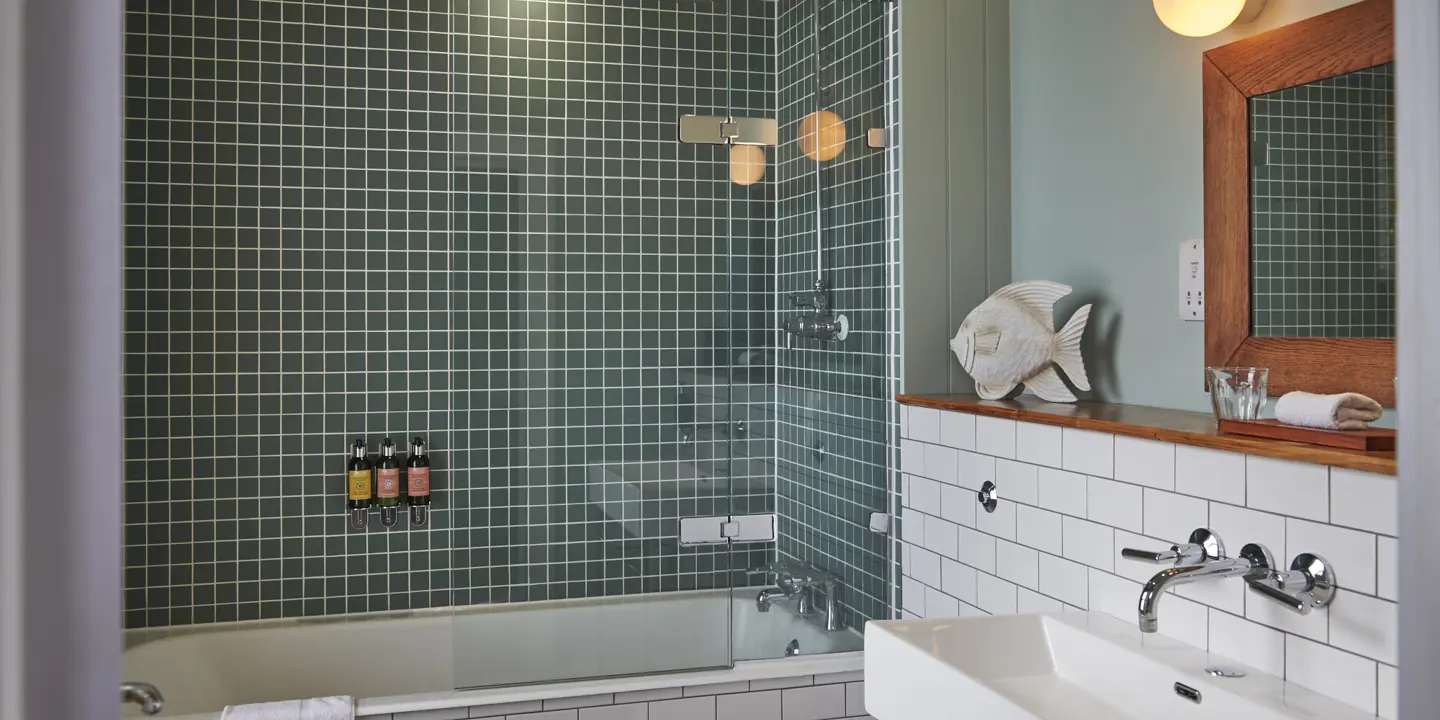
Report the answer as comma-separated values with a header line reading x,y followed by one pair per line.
x,y
338,707
1342,411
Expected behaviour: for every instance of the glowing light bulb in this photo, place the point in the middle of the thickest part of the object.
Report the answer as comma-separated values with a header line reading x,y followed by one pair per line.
x,y
822,135
1198,18
747,164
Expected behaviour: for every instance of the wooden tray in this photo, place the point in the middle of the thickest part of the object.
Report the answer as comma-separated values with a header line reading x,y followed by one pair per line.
x,y
1371,439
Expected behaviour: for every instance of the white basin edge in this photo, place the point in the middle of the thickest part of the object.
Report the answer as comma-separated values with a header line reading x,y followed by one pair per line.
x,y
1187,662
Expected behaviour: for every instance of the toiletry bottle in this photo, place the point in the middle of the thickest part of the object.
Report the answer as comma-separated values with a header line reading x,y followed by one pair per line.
x,y
387,484
418,470
359,481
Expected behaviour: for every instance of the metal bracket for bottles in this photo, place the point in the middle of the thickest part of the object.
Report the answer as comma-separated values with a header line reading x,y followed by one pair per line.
x,y
725,130
727,529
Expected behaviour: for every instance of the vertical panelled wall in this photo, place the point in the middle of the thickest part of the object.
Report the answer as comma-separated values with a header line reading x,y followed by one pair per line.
x,y
831,400
468,221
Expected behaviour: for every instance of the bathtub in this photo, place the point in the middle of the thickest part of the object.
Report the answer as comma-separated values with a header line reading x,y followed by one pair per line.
x,y
425,660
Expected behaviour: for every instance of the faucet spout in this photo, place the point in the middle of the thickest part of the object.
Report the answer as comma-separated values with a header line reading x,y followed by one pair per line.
x,y
1184,575
768,596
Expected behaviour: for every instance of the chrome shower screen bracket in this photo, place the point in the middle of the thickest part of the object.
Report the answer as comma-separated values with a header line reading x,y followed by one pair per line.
x,y
727,529
725,130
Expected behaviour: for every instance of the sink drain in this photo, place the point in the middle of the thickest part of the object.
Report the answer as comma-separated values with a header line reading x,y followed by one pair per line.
x,y
1225,671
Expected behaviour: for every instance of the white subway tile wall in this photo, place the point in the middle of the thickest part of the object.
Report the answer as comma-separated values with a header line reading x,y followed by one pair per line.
x,y
1088,452
1115,503
995,436
1063,492
957,430
1387,551
1021,480
1037,444
837,696
1070,500
1145,462
1210,473
1389,693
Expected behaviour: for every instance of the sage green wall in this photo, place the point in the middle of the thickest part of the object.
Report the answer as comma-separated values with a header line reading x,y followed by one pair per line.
x,y
954,173
1107,179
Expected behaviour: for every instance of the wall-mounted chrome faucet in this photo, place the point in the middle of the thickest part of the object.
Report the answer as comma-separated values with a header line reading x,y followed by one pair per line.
x,y
1310,582
1203,558
820,323
804,582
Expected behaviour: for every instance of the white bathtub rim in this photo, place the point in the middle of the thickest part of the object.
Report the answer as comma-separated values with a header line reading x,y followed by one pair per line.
x,y
744,670
136,637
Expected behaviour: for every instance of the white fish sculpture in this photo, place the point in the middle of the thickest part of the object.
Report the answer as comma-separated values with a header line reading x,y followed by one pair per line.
x,y
1010,340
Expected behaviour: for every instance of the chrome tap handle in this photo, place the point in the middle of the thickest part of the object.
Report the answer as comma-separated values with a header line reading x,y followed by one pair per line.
x,y
819,575
1161,557
788,576
144,694
1204,545
1294,603
1308,584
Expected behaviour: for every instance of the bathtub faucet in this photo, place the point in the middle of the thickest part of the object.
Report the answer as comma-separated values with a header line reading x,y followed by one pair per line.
x,y
804,582
768,596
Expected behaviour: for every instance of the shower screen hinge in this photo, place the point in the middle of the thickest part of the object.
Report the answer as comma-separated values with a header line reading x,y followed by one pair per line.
x,y
727,529
725,130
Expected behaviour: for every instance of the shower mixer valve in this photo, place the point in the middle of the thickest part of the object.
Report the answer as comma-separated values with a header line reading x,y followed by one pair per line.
x,y
820,323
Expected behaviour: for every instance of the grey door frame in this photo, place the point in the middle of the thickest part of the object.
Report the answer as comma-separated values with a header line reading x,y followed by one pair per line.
x,y
1417,60
61,229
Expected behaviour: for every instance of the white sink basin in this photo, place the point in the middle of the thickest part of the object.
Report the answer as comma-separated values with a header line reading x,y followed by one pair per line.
x,y
1073,666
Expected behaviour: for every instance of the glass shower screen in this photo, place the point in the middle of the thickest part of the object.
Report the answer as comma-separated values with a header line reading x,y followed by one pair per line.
x,y
606,277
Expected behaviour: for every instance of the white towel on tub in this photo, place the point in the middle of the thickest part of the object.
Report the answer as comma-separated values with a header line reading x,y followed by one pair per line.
x,y
339,707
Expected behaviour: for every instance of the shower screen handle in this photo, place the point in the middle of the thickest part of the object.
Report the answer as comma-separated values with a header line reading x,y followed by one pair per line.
x,y
144,694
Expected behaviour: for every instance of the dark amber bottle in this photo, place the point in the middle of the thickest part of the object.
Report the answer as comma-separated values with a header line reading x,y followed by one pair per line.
x,y
387,484
417,470
359,483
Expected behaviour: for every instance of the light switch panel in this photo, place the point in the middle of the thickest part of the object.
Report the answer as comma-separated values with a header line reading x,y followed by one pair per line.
x,y
1192,280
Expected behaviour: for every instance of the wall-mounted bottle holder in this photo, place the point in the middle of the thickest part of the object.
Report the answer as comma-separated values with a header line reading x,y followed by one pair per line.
x,y
371,485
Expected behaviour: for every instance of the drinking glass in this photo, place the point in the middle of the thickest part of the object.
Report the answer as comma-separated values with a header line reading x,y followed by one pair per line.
x,y
1237,393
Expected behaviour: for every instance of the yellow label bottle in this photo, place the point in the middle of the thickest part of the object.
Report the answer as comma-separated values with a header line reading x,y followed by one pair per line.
x,y
359,484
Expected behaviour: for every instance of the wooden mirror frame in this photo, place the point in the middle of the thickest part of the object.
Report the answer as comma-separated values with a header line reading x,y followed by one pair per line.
x,y
1352,38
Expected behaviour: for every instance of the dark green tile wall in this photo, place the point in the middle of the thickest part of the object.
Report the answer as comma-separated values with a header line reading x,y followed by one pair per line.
x,y
832,400
459,219
1323,215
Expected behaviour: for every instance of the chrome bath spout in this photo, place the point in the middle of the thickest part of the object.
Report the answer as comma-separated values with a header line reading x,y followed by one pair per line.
x,y
1184,575
768,596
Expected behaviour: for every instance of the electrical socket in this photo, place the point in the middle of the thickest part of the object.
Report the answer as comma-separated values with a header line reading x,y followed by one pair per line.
x,y
1192,280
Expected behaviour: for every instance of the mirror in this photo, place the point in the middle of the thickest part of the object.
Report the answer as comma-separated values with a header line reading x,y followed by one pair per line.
x,y
1300,202
1322,207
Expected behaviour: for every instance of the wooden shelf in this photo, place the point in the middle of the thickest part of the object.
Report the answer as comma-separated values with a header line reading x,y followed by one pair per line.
x,y
1177,426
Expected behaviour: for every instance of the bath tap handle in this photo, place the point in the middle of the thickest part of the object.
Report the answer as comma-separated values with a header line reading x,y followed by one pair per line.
x,y
788,576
